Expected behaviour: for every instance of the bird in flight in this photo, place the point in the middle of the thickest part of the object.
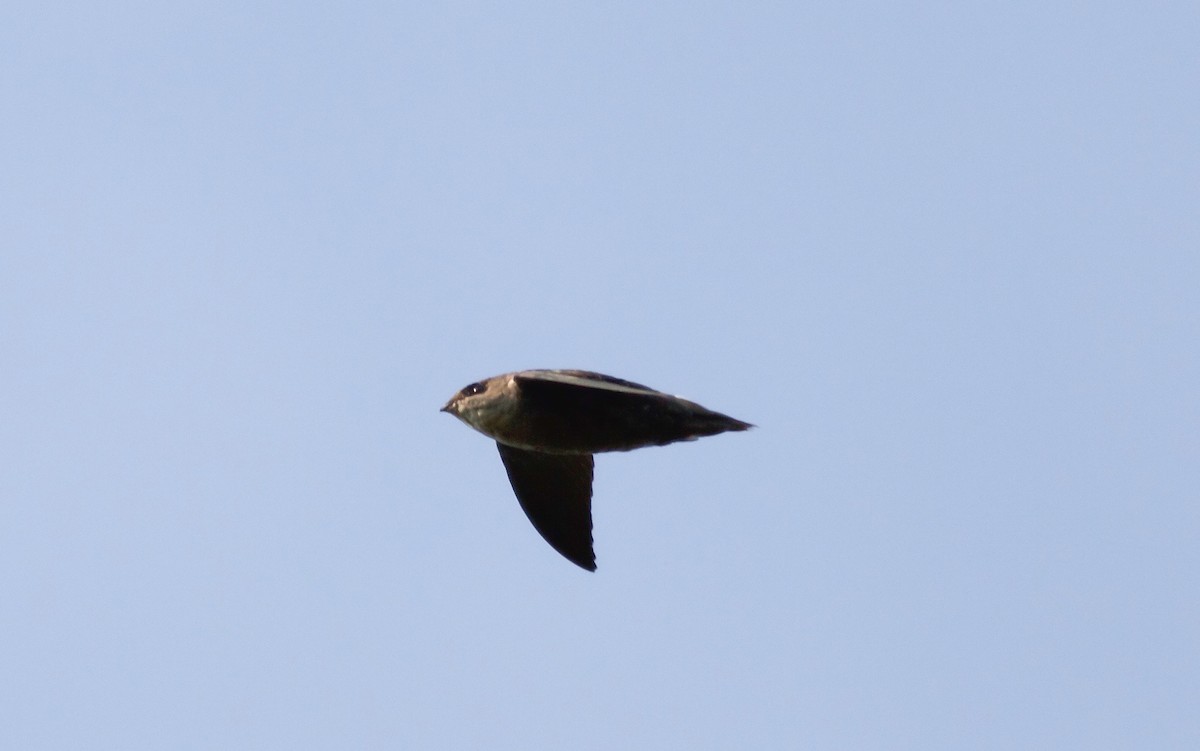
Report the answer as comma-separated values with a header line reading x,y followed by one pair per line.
x,y
548,424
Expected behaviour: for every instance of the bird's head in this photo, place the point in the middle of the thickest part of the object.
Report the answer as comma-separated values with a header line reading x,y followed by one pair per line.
x,y
485,405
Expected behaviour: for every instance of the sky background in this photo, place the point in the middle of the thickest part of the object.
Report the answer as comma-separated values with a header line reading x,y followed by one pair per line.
x,y
946,256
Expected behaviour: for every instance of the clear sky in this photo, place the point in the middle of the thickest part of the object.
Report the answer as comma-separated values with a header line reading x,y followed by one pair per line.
x,y
945,255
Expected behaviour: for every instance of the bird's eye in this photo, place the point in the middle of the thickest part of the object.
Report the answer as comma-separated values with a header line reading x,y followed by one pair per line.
x,y
474,388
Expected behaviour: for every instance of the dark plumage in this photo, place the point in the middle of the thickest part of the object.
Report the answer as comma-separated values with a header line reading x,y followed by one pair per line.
x,y
548,423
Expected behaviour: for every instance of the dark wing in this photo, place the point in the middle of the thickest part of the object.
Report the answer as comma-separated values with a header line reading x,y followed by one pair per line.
x,y
587,378
555,492
578,411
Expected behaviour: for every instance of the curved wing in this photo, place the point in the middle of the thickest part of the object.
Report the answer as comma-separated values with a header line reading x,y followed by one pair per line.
x,y
555,492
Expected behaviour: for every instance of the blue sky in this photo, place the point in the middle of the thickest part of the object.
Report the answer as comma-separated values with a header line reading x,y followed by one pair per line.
x,y
945,256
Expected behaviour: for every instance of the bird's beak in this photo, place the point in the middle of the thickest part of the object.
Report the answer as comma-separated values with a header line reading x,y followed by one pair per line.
x,y
448,407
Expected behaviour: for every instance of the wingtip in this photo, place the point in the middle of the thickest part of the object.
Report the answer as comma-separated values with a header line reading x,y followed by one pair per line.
x,y
735,424
587,563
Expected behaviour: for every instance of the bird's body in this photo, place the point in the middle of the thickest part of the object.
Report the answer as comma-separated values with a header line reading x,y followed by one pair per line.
x,y
548,423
